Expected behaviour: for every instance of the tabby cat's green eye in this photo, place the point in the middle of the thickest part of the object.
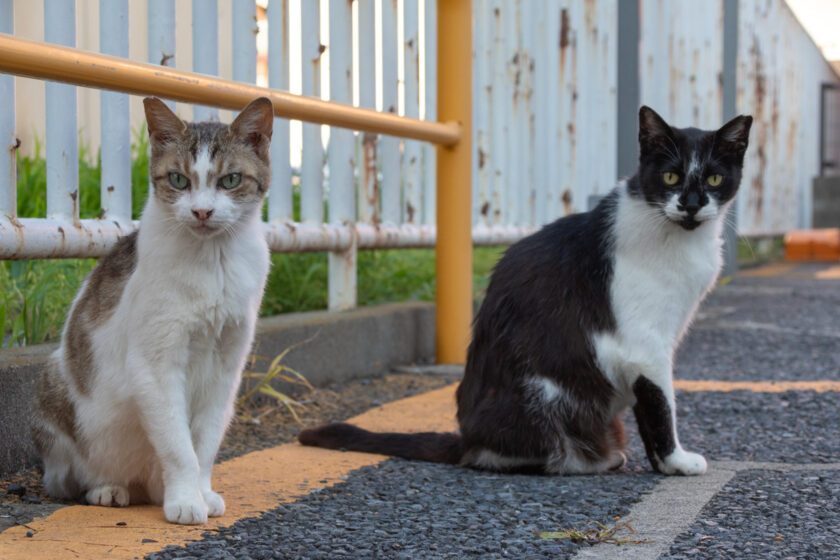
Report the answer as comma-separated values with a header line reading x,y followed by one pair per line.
x,y
178,181
714,180
670,178
230,181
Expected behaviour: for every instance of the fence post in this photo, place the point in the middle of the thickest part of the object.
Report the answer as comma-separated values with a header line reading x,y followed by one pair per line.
x,y
280,199
62,130
342,193
205,40
389,146
115,189
730,110
162,35
312,159
8,196
430,107
453,256
412,149
245,42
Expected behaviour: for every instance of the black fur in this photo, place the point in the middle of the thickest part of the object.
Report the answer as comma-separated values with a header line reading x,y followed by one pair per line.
x,y
653,415
426,446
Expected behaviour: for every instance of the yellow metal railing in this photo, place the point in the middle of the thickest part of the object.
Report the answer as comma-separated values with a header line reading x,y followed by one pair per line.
x,y
452,135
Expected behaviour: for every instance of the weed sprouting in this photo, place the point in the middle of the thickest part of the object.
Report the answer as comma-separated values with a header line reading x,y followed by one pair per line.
x,y
596,535
276,371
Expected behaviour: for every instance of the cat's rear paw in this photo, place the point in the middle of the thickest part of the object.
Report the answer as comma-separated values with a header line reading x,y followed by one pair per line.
x,y
683,463
109,496
215,504
186,512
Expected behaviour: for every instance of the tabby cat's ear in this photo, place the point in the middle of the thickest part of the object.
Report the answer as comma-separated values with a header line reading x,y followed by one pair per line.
x,y
164,125
734,135
255,123
653,130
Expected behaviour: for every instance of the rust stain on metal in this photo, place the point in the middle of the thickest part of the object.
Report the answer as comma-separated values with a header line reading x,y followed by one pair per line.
x,y
567,202
482,158
75,196
409,211
14,147
285,11
110,189
564,39
165,58
321,48
760,92
369,178
485,208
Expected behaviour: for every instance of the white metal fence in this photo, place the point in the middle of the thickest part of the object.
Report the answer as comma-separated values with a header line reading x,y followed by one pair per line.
x,y
545,115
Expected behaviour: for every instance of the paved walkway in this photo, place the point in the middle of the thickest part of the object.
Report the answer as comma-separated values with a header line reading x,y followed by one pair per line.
x,y
758,381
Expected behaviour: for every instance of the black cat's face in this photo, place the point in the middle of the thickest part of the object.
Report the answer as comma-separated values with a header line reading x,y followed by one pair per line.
x,y
690,174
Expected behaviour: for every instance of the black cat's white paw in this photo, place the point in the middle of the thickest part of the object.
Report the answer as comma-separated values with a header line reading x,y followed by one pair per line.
x,y
684,463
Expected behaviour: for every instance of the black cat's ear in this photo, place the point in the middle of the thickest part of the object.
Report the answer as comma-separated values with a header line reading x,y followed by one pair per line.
x,y
164,125
653,130
734,135
255,123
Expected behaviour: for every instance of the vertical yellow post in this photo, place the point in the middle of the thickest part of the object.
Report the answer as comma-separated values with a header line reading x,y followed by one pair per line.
x,y
453,257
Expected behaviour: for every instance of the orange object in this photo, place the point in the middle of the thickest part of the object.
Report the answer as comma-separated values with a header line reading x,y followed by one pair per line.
x,y
64,64
813,245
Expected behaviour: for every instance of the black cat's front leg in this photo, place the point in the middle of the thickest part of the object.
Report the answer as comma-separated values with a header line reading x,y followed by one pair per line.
x,y
655,415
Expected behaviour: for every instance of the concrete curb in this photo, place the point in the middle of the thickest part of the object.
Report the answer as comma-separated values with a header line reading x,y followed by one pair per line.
x,y
341,346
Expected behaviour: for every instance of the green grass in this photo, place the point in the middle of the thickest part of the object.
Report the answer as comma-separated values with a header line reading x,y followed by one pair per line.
x,y
35,295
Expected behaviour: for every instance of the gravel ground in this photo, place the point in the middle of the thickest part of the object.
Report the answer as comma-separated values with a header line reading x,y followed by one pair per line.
x,y
792,427
765,329
768,515
390,512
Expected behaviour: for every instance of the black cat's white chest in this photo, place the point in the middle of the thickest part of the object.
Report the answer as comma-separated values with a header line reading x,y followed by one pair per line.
x,y
660,275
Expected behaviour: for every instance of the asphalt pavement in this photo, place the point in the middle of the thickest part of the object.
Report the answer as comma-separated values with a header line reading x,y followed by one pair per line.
x,y
772,490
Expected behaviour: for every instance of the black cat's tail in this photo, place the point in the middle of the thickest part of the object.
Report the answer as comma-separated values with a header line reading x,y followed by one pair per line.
x,y
426,446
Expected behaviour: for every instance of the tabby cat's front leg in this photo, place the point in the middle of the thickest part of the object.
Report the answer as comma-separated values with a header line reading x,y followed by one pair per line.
x,y
655,415
163,410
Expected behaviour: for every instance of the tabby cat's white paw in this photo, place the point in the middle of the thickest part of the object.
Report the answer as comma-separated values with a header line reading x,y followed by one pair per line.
x,y
684,463
115,496
215,503
186,511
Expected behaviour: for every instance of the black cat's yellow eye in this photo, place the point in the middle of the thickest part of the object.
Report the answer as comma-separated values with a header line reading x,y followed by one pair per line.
x,y
670,178
714,180
178,181
230,181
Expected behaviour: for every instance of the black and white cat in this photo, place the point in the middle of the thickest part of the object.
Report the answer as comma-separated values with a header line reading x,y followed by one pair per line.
x,y
582,320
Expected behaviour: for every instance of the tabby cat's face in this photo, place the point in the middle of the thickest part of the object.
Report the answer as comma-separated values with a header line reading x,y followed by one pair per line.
x,y
208,176
690,174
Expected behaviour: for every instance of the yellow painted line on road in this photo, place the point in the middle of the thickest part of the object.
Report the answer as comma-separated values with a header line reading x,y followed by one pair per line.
x,y
262,480
757,386
250,485
832,273
776,269
793,270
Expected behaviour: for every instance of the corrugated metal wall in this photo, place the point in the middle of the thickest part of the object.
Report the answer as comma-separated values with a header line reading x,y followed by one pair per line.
x,y
780,72
545,87
545,108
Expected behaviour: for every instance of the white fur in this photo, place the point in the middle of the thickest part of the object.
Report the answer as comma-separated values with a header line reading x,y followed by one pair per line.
x,y
545,390
168,361
486,459
710,211
661,273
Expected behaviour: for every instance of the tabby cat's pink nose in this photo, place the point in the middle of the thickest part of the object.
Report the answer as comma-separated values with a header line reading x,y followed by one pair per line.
x,y
202,214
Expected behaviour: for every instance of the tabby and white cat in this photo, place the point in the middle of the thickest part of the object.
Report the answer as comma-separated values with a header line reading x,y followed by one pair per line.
x,y
582,320
133,405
